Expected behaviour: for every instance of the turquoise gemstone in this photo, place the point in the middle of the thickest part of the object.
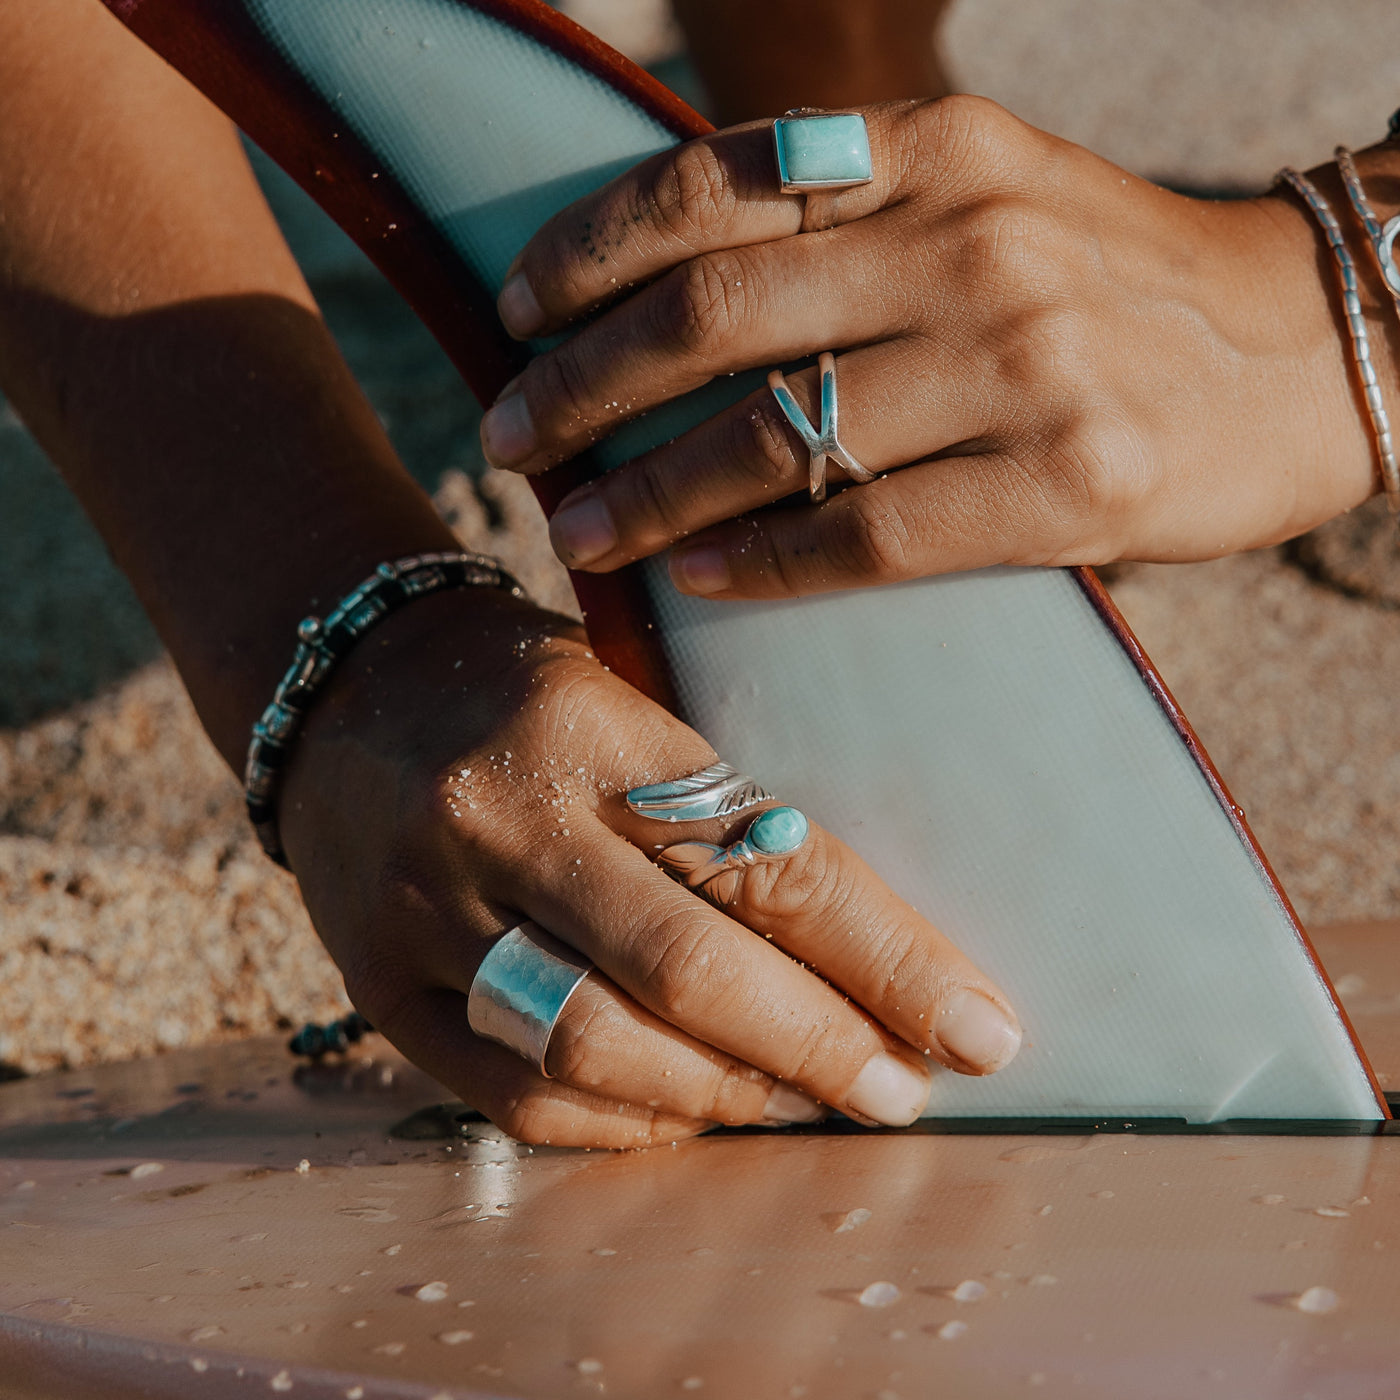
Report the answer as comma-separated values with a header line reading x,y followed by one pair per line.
x,y
826,152
778,831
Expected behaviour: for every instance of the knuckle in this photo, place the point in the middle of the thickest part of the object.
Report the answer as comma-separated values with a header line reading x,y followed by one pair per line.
x,y
789,889
580,1047
650,493
812,1052
560,391
765,447
693,971
693,194
703,310
536,1116
874,541
963,126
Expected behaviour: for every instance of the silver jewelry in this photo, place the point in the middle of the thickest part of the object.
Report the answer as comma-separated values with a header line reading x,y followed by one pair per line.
x,y
1356,324
320,647
715,872
819,154
823,444
1382,239
520,990
717,791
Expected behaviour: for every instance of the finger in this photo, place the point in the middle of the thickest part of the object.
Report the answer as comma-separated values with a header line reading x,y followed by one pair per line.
x,y
937,517
816,898
430,1027
720,191
900,401
714,979
606,1044
718,313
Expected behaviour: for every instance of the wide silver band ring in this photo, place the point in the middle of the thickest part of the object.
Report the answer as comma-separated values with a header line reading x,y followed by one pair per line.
x,y
521,988
822,443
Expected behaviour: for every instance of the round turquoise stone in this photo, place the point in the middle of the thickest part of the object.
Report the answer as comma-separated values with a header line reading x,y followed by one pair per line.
x,y
778,831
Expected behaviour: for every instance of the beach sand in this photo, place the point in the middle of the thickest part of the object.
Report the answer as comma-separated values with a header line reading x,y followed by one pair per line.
x,y
136,913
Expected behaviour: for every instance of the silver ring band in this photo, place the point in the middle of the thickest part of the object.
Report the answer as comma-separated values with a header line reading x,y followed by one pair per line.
x,y
717,791
820,444
520,990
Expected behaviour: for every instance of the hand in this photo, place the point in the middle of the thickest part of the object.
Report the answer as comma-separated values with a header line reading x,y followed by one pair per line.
x,y
1055,362
466,769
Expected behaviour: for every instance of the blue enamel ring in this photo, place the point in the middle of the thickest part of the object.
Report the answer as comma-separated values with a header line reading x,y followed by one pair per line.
x,y
520,990
822,151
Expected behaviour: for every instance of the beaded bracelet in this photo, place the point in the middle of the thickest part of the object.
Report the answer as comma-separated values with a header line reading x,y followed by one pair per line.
x,y
1382,239
1356,324
321,645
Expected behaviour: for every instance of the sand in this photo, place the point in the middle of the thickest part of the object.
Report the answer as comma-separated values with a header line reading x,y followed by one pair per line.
x,y
136,913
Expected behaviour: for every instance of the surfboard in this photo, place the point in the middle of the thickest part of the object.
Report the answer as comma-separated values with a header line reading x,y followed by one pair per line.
x,y
996,744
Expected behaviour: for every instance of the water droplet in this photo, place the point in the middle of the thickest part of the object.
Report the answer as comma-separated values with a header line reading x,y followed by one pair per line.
x,y
392,1348
898,1335
1045,1210
391,1249
455,1338
375,1214
878,1295
360,1322
589,1366
146,1169
1332,1212
850,1220
281,1381
603,1253
693,1383
1317,1300
202,1334
303,1167
970,1290
433,1292
1272,1199
1101,1195
198,1363
1036,1378
951,1331
356,1392
1042,1280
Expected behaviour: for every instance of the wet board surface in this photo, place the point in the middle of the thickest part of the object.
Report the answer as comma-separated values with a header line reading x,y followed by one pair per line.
x,y
157,1239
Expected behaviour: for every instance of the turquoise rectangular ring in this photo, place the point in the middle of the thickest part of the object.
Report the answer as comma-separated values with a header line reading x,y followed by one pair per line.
x,y
826,151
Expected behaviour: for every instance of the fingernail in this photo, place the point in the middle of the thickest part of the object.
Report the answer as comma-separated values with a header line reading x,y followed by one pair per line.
x,y
520,313
978,1032
890,1091
507,434
581,530
703,570
788,1105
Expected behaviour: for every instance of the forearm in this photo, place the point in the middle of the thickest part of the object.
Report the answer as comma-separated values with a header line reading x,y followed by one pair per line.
x,y
159,340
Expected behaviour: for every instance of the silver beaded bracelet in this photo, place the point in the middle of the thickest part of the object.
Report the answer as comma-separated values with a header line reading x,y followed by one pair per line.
x,y
1356,324
321,645
1382,238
